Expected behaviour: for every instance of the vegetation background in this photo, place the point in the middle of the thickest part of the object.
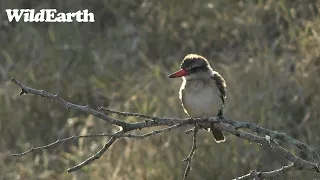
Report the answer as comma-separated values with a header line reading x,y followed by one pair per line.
x,y
268,51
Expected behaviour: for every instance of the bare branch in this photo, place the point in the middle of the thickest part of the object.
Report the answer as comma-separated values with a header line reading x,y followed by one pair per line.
x,y
60,141
66,104
96,156
126,126
115,135
274,146
111,141
276,135
192,151
268,174
264,136
260,130
131,114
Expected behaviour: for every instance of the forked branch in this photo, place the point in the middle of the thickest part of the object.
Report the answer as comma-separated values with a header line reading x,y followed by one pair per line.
x,y
260,135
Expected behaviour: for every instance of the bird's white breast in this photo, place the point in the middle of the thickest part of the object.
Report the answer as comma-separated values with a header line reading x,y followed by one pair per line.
x,y
200,98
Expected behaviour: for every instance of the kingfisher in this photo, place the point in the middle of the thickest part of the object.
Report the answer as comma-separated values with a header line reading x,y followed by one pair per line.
x,y
202,92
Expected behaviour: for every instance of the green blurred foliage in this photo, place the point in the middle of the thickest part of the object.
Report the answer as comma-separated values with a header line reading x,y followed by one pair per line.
x,y
268,52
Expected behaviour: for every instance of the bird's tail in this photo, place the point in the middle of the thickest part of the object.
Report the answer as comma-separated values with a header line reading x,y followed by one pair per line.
x,y
217,134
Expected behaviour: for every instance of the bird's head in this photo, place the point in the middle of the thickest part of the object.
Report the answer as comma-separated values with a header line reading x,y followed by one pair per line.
x,y
193,66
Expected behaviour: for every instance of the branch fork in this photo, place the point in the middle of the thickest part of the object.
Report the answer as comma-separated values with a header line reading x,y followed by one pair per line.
x,y
259,135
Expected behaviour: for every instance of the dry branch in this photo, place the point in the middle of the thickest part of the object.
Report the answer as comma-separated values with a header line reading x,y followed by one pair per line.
x,y
192,151
269,174
263,136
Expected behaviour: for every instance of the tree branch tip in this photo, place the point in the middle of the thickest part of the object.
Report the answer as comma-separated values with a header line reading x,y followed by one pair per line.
x,y
13,80
23,91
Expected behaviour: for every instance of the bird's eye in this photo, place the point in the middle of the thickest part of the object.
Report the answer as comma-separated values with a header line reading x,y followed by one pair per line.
x,y
195,69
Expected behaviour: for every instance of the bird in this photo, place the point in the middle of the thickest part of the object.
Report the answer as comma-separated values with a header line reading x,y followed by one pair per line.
x,y
202,92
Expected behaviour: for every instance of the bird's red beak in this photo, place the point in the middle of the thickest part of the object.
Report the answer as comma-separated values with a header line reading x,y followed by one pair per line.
x,y
179,73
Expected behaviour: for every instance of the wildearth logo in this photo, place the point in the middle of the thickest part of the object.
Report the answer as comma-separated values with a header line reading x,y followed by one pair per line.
x,y
49,15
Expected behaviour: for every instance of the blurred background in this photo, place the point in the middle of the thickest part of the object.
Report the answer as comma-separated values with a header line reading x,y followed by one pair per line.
x,y
268,52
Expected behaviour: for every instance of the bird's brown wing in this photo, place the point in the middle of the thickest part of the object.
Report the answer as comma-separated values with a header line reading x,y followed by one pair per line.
x,y
222,87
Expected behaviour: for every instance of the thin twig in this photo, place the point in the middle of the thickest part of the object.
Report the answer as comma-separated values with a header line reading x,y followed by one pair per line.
x,y
268,174
60,141
154,132
116,135
130,114
192,151
95,156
